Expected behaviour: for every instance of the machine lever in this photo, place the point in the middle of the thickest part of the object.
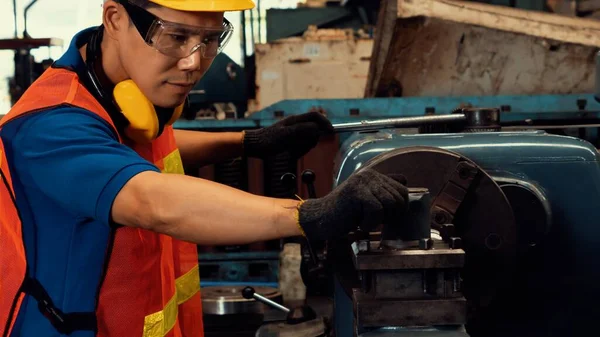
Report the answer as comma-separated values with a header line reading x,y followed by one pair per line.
x,y
249,293
308,178
373,125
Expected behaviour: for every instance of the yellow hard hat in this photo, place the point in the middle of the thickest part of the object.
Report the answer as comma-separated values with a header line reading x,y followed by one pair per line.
x,y
206,5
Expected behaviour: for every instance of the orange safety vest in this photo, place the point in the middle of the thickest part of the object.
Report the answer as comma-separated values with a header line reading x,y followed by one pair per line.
x,y
151,287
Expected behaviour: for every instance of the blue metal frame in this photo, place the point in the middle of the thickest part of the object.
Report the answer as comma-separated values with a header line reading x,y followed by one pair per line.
x,y
514,109
565,170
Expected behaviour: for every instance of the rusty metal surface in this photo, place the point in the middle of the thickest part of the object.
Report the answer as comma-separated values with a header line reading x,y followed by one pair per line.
x,y
378,313
423,56
419,284
409,259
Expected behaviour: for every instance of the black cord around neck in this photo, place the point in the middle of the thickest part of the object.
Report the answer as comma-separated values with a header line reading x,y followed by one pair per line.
x,y
94,85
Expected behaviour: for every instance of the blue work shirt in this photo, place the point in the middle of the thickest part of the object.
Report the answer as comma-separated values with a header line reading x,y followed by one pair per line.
x,y
67,167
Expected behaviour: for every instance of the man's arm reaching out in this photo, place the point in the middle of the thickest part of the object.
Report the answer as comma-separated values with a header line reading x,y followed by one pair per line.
x,y
202,211
85,171
208,213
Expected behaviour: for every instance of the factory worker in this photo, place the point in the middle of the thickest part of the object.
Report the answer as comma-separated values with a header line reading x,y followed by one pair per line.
x,y
99,226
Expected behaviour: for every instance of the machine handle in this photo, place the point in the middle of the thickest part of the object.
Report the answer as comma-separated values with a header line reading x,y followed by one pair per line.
x,y
250,293
372,125
308,178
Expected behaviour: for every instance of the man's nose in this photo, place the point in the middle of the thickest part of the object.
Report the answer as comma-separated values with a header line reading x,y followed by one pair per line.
x,y
192,62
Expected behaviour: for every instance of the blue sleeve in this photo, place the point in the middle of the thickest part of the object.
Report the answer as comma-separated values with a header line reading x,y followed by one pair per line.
x,y
73,156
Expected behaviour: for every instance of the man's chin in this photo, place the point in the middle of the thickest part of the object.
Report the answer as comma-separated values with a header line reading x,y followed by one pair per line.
x,y
171,104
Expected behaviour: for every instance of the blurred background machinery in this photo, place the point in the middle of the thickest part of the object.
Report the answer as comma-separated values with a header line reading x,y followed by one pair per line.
x,y
27,69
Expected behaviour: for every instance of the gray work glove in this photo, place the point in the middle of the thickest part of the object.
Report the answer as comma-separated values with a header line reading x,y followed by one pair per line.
x,y
366,199
295,134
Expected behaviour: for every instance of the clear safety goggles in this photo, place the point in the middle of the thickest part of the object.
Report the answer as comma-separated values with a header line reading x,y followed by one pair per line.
x,y
175,39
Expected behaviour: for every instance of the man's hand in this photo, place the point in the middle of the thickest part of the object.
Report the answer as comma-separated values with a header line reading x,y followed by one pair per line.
x,y
295,134
367,199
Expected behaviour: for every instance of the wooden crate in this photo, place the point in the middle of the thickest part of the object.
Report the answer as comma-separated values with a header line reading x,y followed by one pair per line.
x,y
322,64
458,48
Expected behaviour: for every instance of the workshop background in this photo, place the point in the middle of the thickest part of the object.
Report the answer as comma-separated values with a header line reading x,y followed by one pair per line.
x,y
489,108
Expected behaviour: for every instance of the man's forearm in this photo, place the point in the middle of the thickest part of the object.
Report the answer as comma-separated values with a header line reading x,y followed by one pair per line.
x,y
202,211
204,148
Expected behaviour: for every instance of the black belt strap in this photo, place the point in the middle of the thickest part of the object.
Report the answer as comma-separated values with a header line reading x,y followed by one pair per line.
x,y
65,323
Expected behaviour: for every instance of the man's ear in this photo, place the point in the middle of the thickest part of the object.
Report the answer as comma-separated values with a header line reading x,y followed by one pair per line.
x,y
114,19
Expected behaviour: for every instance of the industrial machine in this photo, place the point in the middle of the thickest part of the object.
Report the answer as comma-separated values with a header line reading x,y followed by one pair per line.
x,y
499,239
497,139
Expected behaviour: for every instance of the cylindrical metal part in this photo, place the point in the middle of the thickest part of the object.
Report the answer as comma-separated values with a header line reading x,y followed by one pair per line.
x,y
370,125
415,223
271,303
228,300
482,119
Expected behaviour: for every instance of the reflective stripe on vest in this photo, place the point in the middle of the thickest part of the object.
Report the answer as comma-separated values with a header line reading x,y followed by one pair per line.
x,y
160,323
152,286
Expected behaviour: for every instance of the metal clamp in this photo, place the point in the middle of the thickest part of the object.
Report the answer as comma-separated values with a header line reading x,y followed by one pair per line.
x,y
447,202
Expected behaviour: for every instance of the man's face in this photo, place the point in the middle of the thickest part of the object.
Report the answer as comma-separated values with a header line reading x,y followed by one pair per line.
x,y
165,80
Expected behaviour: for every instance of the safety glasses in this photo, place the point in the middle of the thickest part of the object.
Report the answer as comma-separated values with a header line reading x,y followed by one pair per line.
x,y
175,39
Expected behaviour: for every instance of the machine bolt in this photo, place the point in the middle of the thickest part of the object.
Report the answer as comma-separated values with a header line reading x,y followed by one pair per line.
x,y
364,245
425,243
447,231
493,241
456,282
455,243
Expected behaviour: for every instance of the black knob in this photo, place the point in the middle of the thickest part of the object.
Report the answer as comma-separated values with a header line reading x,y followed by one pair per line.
x,y
308,178
248,293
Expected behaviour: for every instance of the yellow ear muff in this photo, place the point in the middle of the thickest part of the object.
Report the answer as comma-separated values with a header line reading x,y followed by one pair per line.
x,y
139,111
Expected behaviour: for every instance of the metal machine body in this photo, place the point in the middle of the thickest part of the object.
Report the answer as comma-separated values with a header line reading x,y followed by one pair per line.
x,y
548,182
525,223
577,115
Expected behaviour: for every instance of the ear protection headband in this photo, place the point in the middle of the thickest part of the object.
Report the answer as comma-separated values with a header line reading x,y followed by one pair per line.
x,y
132,113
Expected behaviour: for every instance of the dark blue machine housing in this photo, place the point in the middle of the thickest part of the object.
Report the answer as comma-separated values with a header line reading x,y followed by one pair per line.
x,y
556,282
